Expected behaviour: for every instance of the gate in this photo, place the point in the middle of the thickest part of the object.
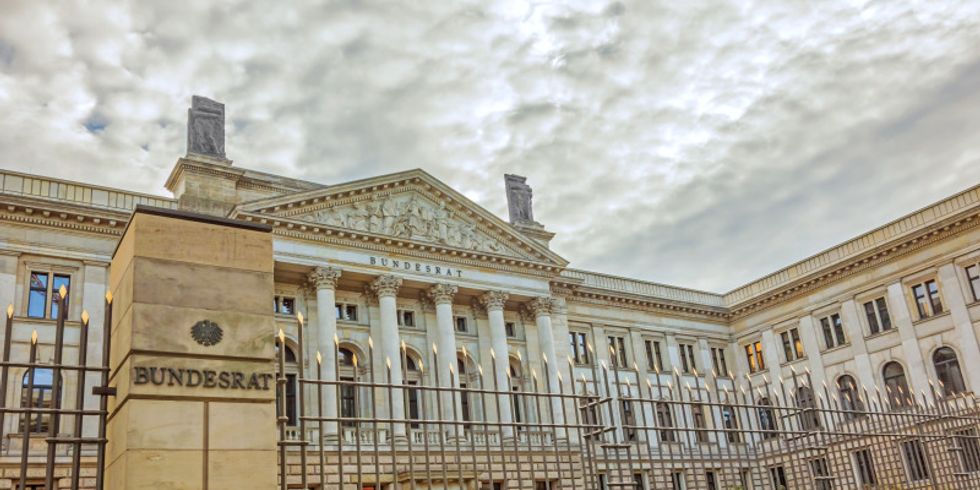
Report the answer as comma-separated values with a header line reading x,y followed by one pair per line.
x,y
40,454
604,431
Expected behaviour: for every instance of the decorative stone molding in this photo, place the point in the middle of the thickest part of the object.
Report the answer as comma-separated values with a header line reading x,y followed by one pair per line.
x,y
324,278
425,301
386,285
539,307
442,293
479,309
494,300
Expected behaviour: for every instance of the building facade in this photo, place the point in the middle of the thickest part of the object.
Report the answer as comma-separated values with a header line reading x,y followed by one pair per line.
x,y
401,279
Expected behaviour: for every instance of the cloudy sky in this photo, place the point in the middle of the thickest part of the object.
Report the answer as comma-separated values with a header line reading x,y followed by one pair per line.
x,y
701,143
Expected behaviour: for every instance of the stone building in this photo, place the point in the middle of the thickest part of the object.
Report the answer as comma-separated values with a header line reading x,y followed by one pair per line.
x,y
403,278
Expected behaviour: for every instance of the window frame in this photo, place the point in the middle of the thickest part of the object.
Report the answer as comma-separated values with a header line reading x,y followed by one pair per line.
x,y
281,299
343,311
619,357
880,313
461,319
685,368
928,302
654,354
792,344
864,467
916,465
403,314
584,357
973,282
719,362
51,274
832,327
754,357
947,366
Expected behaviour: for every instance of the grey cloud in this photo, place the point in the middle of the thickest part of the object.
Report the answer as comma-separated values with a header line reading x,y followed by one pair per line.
x,y
702,143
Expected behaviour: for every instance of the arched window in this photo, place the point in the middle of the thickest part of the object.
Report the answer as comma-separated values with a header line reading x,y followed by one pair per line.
x,y
767,418
464,396
346,357
730,418
948,371
413,376
850,397
809,416
347,391
665,420
516,383
292,371
896,387
41,396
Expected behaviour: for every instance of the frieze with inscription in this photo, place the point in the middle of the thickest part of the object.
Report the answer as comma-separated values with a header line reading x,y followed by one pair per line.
x,y
202,378
409,266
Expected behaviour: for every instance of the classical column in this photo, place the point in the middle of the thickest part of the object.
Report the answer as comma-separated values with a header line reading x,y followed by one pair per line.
x,y
442,296
324,282
541,309
386,287
494,301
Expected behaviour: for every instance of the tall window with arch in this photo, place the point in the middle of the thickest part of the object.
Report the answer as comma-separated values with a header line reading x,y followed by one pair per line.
x,y
516,385
347,392
767,418
292,372
896,386
850,397
948,371
42,396
809,416
413,396
465,407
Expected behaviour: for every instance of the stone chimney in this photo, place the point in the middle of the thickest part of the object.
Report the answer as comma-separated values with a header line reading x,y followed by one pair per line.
x,y
521,211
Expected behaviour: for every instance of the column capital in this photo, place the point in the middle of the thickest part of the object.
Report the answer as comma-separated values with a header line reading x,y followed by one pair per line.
x,y
386,285
442,293
323,278
494,300
539,306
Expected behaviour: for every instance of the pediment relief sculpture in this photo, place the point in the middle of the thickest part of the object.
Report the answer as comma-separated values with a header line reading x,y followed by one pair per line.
x,y
412,217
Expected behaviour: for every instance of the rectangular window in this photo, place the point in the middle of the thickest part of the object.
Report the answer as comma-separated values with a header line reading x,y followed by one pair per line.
x,y
406,318
629,420
638,482
833,331
969,449
878,318
580,350
915,460
43,297
461,324
697,417
709,478
511,329
821,474
753,354
284,305
777,475
665,421
718,360
927,299
730,418
792,345
865,468
655,360
973,275
678,481
346,312
618,354
687,358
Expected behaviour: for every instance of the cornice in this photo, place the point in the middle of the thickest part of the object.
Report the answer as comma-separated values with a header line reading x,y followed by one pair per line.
x,y
42,213
573,293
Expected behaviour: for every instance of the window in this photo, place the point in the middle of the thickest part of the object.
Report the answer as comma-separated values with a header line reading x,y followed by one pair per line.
x,y
896,387
590,412
678,481
697,418
347,312
833,331
291,371
821,474
43,297
777,475
709,478
753,354
878,318
545,485
461,325
927,300
850,397
767,418
915,460
348,392
865,467
730,418
948,371
510,329
41,396
284,305
969,449
687,358
718,361
792,346
809,416
629,420
406,318
973,275
464,396
655,359
638,481
665,421
618,353
580,350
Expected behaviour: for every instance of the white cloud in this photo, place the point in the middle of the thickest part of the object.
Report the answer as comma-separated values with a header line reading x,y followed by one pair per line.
x,y
703,143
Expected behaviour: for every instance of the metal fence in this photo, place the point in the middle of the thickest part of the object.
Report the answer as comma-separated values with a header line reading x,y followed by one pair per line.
x,y
601,431
48,456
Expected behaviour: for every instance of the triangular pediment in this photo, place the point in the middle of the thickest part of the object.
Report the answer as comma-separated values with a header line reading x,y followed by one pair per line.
x,y
410,207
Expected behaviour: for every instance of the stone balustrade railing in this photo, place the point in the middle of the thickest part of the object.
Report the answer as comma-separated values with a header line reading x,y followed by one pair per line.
x,y
18,184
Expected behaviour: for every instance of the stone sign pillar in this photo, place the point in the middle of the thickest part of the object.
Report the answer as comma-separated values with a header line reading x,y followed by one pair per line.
x,y
192,355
